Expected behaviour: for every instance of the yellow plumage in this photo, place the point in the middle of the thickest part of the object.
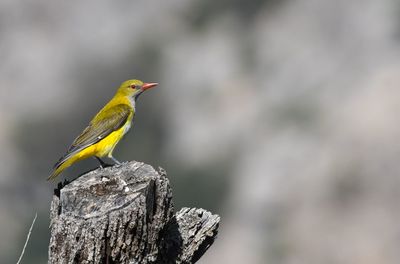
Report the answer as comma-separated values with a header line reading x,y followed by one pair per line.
x,y
106,129
100,149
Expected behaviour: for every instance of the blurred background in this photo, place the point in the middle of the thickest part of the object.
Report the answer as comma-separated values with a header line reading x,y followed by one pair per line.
x,y
281,116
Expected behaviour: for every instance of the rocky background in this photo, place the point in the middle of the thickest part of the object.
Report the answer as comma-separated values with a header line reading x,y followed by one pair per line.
x,y
281,116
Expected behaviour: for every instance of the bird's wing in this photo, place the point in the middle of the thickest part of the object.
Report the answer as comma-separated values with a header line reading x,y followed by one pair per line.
x,y
102,125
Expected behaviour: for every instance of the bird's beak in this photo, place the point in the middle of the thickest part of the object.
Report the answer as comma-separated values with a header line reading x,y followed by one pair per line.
x,y
146,86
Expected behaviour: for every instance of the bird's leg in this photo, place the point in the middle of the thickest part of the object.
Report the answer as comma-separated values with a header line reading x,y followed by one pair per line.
x,y
115,160
102,163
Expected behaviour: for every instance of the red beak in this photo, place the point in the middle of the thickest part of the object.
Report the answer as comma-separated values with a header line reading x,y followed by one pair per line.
x,y
146,86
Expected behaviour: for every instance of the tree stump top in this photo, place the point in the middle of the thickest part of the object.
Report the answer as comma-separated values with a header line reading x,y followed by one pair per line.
x,y
124,214
104,190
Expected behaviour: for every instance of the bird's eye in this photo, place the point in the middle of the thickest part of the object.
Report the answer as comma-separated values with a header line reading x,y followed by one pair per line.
x,y
133,86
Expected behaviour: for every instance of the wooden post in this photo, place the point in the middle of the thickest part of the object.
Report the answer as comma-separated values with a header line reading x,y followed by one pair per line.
x,y
124,214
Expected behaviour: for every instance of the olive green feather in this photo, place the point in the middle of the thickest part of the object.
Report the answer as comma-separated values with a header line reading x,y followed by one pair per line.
x,y
104,123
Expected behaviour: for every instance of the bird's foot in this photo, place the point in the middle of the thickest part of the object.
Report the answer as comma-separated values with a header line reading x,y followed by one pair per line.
x,y
102,163
115,160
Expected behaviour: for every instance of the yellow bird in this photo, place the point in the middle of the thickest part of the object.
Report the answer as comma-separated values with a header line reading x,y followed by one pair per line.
x,y
106,129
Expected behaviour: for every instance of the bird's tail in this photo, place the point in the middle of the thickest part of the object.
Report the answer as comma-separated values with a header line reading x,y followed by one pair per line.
x,y
61,165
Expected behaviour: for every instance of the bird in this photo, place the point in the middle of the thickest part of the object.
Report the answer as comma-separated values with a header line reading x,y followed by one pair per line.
x,y
106,129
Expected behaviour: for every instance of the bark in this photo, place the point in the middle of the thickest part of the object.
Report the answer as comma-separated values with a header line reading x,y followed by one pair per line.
x,y
124,214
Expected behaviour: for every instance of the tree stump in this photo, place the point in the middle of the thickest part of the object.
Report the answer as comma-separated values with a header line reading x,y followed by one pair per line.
x,y
125,214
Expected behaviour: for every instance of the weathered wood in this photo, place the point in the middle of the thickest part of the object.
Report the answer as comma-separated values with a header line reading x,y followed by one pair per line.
x,y
188,235
124,214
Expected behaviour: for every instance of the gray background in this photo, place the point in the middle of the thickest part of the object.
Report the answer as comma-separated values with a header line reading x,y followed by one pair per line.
x,y
281,116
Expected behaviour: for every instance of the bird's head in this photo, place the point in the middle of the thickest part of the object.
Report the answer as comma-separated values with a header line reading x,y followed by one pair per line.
x,y
134,88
